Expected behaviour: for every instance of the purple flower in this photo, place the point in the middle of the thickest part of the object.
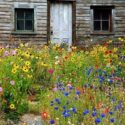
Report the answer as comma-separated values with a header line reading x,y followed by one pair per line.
x,y
6,53
112,120
52,122
56,108
94,113
13,52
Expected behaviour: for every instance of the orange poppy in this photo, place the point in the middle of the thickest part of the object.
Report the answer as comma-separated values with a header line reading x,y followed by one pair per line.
x,y
106,110
44,115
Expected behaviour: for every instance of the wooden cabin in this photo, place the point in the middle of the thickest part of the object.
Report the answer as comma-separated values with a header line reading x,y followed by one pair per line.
x,y
70,21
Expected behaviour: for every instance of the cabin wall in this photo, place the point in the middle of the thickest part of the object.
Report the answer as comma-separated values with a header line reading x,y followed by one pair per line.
x,y
84,21
7,22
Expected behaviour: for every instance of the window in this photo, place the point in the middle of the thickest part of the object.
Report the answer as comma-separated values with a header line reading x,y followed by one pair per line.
x,y
24,19
102,19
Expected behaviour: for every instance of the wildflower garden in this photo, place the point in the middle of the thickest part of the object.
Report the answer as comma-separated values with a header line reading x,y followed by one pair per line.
x,y
76,87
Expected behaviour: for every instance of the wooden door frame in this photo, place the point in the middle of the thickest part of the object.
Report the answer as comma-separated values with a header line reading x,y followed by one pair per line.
x,y
73,2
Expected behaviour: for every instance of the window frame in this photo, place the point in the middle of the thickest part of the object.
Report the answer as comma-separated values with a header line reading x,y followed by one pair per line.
x,y
24,12
111,20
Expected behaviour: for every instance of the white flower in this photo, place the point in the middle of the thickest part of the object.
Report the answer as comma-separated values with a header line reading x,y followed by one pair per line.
x,y
56,57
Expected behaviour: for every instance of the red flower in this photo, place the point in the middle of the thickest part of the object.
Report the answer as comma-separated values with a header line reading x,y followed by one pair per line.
x,y
96,66
110,51
44,115
106,110
51,71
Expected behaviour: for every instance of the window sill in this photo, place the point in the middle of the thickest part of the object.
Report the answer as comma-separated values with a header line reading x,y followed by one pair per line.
x,y
102,33
23,33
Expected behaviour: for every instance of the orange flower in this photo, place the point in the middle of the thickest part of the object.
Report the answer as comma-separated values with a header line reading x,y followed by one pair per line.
x,y
83,90
44,115
99,105
106,110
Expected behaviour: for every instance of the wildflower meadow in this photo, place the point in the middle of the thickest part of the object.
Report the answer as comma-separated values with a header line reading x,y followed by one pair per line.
x,y
64,86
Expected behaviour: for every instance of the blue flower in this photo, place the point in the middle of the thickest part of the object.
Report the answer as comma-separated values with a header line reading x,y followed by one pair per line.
x,y
74,110
112,120
57,100
111,113
94,113
97,120
101,79
66,93
102,115
119,106
66,113
94,109
78,92
113,99
70,87
51,103
89,71
56,108
64,107
59,85
52,121
85,112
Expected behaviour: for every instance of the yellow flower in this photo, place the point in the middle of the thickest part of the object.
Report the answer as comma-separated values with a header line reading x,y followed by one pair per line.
x,y
27,54
25,69
16,66
27,63
110,41
21,45
14,70
12,106
115,49
44,64
29,76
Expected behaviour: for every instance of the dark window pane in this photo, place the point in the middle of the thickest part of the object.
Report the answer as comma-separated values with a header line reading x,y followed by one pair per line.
x,y
97,25
105,15
105,25
97,14
29,15
20,24
28,25
20,15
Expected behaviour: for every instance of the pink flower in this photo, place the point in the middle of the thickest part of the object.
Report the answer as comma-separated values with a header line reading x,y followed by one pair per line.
x,y
51,71
6,53
1,89
12,82
13,52
69,85
55,89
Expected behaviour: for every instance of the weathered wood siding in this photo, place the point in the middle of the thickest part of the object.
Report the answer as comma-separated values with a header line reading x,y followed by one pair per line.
x,y
7,21
83,20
